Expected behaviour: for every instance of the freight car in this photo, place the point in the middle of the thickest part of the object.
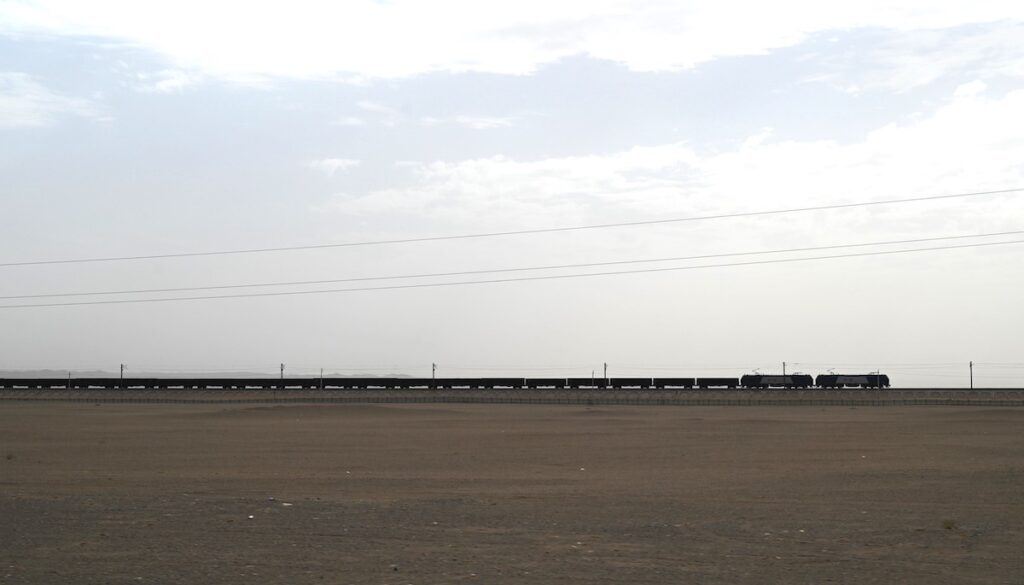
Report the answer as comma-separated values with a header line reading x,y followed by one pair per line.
x,y
641,383
717,382
661,383
596,383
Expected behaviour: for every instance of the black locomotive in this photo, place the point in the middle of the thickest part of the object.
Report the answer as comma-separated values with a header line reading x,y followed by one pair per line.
x,y
852,381
764,382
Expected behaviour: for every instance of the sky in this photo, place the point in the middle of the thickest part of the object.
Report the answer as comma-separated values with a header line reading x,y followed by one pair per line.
x,y
168,128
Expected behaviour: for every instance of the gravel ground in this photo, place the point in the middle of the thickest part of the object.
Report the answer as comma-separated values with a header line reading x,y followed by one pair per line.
x,y
207,493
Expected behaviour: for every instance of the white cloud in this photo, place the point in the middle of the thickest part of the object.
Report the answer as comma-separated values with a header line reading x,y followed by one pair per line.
x,y
972,142
471,122
377,108
24,103
483,122
391,117
350,121
332,166
167,81
365,38
908,60
385,116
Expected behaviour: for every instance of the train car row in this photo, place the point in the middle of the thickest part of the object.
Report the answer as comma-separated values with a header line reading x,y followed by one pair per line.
x,y
749,381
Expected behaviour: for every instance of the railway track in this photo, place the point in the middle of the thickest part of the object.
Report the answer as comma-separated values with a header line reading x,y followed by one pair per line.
x,y
992,397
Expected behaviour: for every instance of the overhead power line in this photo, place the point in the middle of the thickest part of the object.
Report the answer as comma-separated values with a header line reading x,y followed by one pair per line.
x,y
505,270
927,365
512,232
503,280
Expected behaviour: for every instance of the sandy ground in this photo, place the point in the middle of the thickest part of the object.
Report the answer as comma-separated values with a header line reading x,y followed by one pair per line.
x,y
510,494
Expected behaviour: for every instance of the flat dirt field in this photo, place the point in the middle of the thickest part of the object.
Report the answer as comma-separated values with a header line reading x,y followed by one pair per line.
x,y
282,494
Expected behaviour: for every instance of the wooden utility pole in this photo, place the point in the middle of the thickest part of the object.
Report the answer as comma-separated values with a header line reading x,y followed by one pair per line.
x,y
281,383
971,366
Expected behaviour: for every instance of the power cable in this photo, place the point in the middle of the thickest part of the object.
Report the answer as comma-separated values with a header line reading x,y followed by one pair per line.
x,y
513,368
504,270
503,280
922,366
512,232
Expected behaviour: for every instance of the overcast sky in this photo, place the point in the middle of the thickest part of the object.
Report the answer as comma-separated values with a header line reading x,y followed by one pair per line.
x,y
147,128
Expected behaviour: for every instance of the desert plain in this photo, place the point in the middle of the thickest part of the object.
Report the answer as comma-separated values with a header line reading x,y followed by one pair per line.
x,y
450,493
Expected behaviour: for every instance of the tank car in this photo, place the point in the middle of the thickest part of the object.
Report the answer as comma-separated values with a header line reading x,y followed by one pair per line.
x,y
719,382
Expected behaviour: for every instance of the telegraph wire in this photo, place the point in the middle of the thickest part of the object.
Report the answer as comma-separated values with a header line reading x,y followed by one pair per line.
x,y
514,368
504,280
512,232
630,368
506,270
928,365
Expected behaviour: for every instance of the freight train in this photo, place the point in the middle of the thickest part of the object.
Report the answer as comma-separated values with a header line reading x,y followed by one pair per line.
x,y
749,381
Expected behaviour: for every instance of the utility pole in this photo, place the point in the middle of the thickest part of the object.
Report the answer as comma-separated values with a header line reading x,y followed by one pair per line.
x,y
281,383
971,366
321,379
122,376
433,376
606,372
783,368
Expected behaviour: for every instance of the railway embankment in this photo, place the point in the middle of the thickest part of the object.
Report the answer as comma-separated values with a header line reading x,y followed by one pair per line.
x,y
983,397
